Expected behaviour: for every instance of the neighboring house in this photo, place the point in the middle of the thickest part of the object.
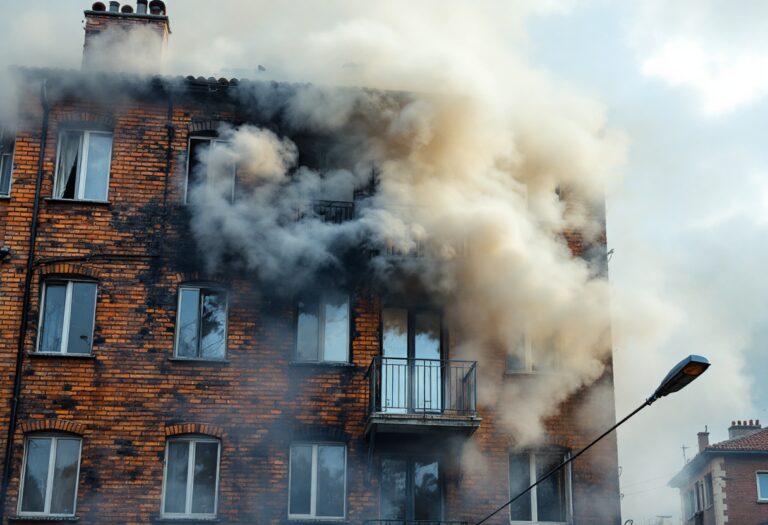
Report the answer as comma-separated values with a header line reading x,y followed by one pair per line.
x,y
727,482
139,389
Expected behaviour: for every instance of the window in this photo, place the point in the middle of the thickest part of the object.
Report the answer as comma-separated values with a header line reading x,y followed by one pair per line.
x,y
49,476
6,164
206,166
531,357
322,328
762,486
191,480
411,489
66,318
708,491
317,481
201,323
82,170
548,502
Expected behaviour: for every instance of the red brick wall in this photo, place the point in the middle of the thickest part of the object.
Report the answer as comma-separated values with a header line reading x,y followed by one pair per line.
x,y
741,490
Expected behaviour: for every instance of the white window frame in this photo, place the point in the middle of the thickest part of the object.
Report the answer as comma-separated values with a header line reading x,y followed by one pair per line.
x,y
533,494
212,142
200,288
313,488
82,173
67,315
11,157
192,444
321,301
760,497
51,465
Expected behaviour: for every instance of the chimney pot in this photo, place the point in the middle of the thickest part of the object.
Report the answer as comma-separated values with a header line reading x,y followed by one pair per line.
x,y
98,6
114,6
157,7
126,9
141,7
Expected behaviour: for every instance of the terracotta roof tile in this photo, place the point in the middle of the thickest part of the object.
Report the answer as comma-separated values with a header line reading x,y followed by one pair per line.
x,y
756,441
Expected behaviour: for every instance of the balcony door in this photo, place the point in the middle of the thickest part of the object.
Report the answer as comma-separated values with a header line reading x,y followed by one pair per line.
x,y
412,370
411,489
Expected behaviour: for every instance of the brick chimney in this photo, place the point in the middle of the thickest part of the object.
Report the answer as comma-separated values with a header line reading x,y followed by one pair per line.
x,y
108,43
743,428
703,439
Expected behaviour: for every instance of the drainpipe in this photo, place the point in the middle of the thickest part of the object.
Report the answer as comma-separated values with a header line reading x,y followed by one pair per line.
x,y
25,305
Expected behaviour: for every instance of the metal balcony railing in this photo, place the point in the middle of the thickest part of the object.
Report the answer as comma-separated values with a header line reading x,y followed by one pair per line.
x,y
422,386
328,211
413,522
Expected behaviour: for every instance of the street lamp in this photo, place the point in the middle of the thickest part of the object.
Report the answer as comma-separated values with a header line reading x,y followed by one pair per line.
x,y
681,375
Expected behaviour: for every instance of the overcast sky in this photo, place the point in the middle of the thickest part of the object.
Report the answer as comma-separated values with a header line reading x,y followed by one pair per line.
x,y
687,216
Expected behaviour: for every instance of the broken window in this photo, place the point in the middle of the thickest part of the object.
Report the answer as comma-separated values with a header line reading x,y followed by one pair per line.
x,y
191,478
49,476
201,324
82,170
67,316
6,163
322,328
208,164
317,481
549,501
411,489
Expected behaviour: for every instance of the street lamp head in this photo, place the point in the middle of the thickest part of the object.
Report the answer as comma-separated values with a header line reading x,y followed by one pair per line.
x,y
683,373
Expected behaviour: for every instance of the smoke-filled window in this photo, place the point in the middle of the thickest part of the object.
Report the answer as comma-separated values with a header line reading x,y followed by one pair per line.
x,y
529,356
411,489
317,481
547,502
49,476
67,317
82,169
201,323
6,163
190,486
209,168
322,328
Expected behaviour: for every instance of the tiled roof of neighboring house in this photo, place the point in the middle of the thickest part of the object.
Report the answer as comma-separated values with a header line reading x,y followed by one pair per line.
x,y
757,441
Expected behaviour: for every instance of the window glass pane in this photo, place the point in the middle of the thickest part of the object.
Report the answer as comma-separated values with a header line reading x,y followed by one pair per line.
x,y
393,489
81,318
301,479
176,477
394,367
427,373
519,479
69,163
330,481
53,317
427,335
708,489
395,332
762,485
6,162
427,496
550,493
188,322
307,332
196,168
336,340
36,475
213,325
65,476
204,489
97,170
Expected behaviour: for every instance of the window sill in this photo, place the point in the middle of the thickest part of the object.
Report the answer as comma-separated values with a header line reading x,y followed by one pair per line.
x,y
48,355
212,362
54,200
190,520
321,364
531,373
48,519
5,197
316,521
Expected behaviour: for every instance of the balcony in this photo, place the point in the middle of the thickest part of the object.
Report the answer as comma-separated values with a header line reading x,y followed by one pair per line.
x,y
413,522
334,212
408,395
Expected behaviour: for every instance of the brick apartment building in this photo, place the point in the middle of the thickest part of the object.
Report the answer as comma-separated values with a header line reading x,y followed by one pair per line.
x,y
140,389
727,482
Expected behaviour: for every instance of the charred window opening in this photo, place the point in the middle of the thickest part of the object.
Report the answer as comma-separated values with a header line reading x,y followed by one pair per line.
x,y
191,480
206,167
67,317
322,328
6,162
49,476
317,481
411,489
201,323
82,169
549,501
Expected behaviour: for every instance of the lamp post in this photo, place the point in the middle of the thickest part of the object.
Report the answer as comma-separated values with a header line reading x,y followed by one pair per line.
x,y
681,375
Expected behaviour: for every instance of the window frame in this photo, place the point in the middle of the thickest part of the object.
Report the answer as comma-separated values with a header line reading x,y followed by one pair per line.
x,y
760,497
67,315
212,140
200,287
709,490
410,459
533,493
83,153
54,437
321,302
313,485
411,313
191,441
11,156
